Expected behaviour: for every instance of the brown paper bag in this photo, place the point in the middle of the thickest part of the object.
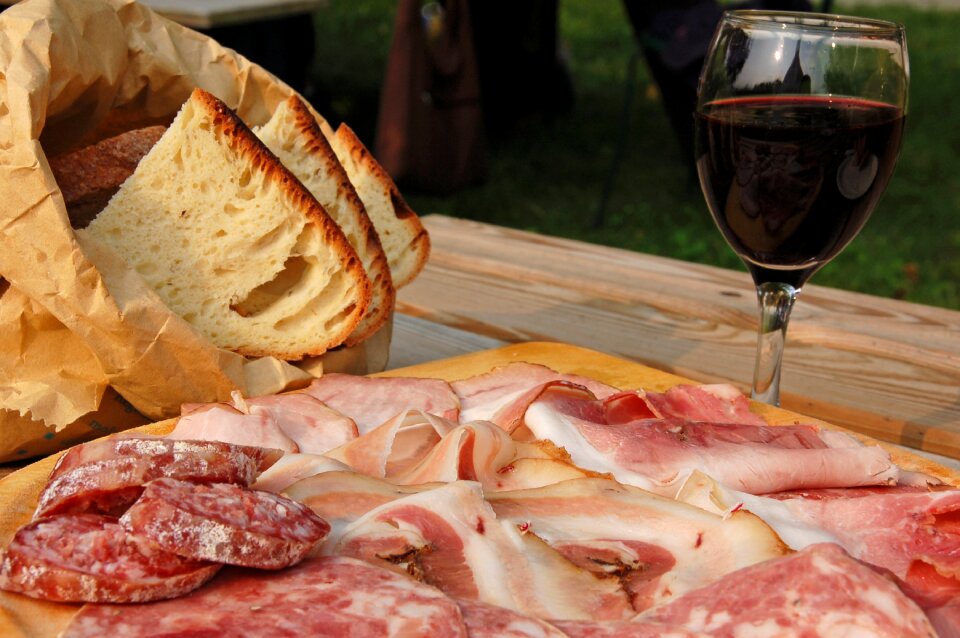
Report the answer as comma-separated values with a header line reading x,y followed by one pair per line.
x,y
72,73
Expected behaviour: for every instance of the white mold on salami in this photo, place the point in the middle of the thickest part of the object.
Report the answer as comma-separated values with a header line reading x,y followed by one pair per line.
x,y
91,558
107,475
225,523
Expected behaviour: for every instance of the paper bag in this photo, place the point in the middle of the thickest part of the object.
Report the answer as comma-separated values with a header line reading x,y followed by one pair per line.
x,y
73,73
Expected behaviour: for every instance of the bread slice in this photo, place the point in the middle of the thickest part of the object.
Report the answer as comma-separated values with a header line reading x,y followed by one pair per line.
x,y
293,135
404,239
90,176
231,241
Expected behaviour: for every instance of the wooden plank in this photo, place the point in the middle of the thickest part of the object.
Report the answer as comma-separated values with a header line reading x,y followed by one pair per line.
x,y
880,366
417,341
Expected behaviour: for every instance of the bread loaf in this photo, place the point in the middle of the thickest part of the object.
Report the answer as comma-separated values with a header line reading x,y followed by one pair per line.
x,y
89,177
404,239
231,241
294,136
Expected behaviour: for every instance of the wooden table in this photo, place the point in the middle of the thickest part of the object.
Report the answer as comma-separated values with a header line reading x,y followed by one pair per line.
x,y
886,368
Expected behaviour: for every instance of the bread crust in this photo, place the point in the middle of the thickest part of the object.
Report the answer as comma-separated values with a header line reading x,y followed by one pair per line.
x,y
383,293
417,244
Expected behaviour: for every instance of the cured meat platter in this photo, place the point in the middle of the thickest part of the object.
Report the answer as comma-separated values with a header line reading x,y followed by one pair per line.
x,y
19,493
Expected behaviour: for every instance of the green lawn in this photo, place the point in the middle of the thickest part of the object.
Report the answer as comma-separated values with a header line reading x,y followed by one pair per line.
x,y
548,176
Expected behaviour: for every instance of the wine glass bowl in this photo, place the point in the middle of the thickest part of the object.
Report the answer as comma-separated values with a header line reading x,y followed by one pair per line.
x,y
798,126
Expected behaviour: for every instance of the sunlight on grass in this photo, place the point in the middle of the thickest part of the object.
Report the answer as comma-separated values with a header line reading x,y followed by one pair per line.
x,y
548,175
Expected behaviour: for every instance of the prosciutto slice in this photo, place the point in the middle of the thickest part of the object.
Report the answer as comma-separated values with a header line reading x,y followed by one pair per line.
x,y
320,597
913,533
396,445
819,591
656,547
714,403
451,538
370,401
656,453
503,394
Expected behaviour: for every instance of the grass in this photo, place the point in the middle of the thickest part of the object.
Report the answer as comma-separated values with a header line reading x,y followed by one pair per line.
x,y
548,174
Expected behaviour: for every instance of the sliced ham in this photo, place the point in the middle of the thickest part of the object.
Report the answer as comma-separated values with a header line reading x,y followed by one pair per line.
x,y
325,597
451,538
222,422
502,393
656,547
122,466
819,591
371,401
658,453
313,426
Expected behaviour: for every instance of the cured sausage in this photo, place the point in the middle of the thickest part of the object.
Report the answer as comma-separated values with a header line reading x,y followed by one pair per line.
x,y
225,523
106,476
91,558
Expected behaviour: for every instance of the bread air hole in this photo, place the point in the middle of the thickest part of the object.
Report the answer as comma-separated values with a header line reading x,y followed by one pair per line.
x,y
266,295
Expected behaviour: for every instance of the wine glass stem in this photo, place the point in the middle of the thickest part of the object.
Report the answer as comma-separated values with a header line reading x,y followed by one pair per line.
x,y
776,302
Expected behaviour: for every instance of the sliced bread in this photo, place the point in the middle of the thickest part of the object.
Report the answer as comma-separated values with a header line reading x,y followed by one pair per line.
x,y
231,241
404,239
294,136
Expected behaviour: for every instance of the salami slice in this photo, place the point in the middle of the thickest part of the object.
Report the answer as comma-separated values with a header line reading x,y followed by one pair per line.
x,y
91,558
322,597
225,523
106,476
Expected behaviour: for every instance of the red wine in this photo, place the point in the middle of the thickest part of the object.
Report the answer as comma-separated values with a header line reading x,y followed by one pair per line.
x,y
791,180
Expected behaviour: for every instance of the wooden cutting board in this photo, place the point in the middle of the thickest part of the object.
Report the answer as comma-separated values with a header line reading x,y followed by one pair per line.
x,y
27,618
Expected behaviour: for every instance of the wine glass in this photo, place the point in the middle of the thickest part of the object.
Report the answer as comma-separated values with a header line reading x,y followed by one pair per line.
x,y
798,126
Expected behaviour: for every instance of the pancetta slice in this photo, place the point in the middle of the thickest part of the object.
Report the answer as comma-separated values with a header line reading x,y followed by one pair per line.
x,y
451,538
341,497
371,401
323,597
656,547
294,467
658,453
819,591
503,394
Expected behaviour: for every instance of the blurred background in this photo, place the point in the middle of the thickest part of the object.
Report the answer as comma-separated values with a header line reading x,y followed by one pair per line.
x,y
567,118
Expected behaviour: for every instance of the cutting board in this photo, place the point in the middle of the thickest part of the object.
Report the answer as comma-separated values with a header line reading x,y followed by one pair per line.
x,y
24,617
